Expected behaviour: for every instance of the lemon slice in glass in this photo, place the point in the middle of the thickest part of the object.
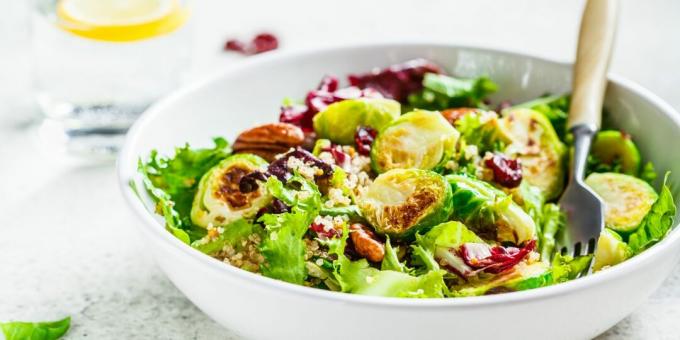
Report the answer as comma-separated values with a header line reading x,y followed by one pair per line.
x,y
120,20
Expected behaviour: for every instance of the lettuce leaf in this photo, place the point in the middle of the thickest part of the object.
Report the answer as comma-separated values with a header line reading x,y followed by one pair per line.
x,y
390,260
359,277
423,258
552,221
450,234
51,330
164,206
565,268
172,183
475,130
648,173
443,92
548,217
522,277
656,223
283,247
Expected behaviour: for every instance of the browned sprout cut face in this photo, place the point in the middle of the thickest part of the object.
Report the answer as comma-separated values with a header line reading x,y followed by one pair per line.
x,y
401,202
228,191
535,143
627,199
219,200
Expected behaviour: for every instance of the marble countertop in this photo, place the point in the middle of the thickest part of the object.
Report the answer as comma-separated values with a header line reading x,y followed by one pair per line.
x,y
68,244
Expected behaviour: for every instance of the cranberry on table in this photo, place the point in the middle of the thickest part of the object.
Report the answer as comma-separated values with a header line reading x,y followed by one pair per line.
x,y
261,43
264,42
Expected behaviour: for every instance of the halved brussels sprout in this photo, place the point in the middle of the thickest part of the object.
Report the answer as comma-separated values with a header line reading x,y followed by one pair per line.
x,y
419,139
536,144
402,202
611,146
219,201
627,199
339,121
522,277
611,250
489,212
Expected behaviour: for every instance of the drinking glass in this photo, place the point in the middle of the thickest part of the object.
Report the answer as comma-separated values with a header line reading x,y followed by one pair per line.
x,y
99,63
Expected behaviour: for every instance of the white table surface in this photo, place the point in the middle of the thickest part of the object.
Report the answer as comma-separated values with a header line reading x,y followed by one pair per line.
x,y
68,244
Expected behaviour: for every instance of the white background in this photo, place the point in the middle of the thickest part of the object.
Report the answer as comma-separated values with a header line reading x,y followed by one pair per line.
x,y
68,244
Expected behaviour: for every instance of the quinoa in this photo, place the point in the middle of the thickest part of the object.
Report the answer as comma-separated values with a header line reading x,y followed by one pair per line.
x,y
307,171
247,256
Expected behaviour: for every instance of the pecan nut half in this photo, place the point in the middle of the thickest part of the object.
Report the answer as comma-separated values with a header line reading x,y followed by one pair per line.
x,y
268,140
366,243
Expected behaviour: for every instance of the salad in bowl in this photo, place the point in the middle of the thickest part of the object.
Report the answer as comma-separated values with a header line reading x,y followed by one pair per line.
x,y
406,182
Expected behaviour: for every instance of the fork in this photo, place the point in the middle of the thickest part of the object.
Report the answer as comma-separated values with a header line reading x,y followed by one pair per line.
x,y
583,208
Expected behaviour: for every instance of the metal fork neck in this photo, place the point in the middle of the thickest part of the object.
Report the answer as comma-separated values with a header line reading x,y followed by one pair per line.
x,y
583,138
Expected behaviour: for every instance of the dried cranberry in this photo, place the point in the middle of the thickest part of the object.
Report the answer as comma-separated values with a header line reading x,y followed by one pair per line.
x,y
363,138
235,45
317,100
264,42
506,172
396,81
293,114
341,158
324,231
279,169
328,84
278,207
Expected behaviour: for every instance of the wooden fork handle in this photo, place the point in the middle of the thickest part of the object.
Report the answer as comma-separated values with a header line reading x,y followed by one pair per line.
x,y
595,42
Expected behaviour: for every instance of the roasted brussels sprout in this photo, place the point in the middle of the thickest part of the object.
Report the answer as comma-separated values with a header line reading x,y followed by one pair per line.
x,y
419,139
489,212
339,121
402,202
611,250
536,144
219,201
613,147
627,199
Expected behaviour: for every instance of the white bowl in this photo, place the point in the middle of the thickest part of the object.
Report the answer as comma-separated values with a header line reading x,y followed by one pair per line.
x,y
262,308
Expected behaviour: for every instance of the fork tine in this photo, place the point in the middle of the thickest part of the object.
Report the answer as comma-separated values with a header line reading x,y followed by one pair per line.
x,y
577,250
591,245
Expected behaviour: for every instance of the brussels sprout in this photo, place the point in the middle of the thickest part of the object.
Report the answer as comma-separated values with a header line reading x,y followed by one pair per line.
x,y
219,201
402,202
522,277
536,144
419,139
339,121
611,250
615,147
489,212
627,199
